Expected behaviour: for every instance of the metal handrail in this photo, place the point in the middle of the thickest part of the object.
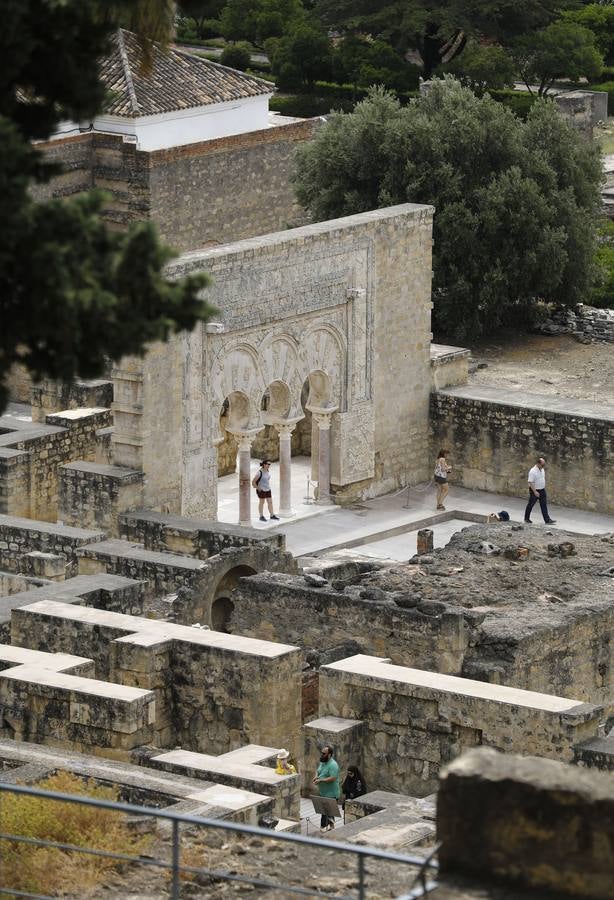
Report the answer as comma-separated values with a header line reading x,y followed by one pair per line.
x,y
419,888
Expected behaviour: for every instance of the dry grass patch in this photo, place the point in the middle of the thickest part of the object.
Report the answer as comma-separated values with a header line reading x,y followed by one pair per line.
x,y
54,872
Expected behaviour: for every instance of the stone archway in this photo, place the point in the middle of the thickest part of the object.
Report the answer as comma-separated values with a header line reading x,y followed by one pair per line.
x,y
222,605
221,614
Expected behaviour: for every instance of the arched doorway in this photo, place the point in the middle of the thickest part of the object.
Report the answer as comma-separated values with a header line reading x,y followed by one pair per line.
x,y
234,415
221,614
222,605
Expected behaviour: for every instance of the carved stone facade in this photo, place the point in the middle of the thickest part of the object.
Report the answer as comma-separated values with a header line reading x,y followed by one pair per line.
x,y
341,306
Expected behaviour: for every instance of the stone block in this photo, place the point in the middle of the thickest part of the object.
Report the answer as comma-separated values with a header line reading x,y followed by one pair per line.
x,y
538,823
345,736
44,565
417,720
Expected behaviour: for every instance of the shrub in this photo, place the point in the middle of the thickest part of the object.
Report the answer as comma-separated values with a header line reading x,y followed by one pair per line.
x,y
237,56
607,74
45,870
602,294
306,106
520,102
608,87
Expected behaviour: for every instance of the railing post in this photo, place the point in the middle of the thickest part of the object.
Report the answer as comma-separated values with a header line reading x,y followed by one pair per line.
x,y
175,861
361,877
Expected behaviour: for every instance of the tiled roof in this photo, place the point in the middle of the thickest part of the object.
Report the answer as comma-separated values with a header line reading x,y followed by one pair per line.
x,y
175,81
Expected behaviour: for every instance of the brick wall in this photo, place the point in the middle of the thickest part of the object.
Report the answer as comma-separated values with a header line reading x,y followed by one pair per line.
x,y
493,444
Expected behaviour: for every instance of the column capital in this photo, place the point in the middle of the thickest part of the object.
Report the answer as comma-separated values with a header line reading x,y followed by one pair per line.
x,y
284,429
245,439
323,418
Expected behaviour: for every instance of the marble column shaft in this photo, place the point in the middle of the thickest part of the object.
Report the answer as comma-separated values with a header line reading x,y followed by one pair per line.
x,y
245,479
285,468
323,420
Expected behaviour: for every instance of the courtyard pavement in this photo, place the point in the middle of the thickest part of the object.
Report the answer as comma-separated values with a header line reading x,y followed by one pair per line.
x,y
387,526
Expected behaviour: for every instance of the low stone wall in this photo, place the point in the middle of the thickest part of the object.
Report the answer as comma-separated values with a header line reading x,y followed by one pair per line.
x,y
31,454
214,692
164,573
415,721
20,536
53,699
294,609
494,438
30,763
534,822
248,768
597,753
47,397
449,366
196,537
108,592
585,323
197,583
93,495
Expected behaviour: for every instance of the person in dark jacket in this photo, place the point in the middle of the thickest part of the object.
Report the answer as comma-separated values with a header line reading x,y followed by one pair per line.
x,y
354,785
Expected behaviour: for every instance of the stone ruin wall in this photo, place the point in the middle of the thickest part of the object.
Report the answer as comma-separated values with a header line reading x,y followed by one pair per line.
x,y
413,722
493,445
212,191
331,297
30,460
227,189
565,649
325,621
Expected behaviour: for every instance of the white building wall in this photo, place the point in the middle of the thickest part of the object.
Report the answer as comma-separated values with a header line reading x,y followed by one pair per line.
x,y
190,126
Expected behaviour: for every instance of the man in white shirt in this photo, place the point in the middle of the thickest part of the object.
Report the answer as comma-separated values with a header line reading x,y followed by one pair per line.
x,y
537,491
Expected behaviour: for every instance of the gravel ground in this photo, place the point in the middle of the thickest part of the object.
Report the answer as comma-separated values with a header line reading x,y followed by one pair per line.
x,y
540,364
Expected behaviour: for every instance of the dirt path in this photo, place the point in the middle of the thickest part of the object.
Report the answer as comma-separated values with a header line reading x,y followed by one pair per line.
x,y
540,364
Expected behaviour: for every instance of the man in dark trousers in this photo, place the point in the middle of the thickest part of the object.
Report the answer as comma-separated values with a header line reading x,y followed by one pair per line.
x,y
327,780
537,491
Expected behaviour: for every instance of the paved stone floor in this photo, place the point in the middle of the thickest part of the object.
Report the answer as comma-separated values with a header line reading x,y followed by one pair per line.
x,y
387,525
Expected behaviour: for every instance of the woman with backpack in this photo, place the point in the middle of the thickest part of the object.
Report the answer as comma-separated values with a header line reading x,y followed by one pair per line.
x,y
262,482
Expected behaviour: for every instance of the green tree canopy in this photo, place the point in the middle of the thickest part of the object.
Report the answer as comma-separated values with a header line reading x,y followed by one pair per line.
x,y
300,57
202,13
363,62
430,26
258,20
71,293
562,50
598,18
482,67
515,201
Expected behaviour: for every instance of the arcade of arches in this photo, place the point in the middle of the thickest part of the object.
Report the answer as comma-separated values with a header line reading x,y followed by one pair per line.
x,y
322,346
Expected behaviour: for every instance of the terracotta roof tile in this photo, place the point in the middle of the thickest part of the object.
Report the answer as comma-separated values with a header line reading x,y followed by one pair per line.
x,y
176,80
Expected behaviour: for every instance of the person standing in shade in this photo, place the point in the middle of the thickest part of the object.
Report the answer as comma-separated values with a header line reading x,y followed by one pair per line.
x,y
284,766
262,482
442,468
537,491
327,780
354,785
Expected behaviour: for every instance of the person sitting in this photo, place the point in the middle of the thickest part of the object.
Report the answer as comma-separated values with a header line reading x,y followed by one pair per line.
x,y
284,767
354,785
502,516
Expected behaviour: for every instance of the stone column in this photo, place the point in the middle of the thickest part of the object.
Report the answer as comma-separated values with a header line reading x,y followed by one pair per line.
x,y
285,468
315,448
245,487
323,418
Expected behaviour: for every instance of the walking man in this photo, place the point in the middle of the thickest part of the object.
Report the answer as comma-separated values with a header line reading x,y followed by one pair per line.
x,y
327,780
537,491
262,482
